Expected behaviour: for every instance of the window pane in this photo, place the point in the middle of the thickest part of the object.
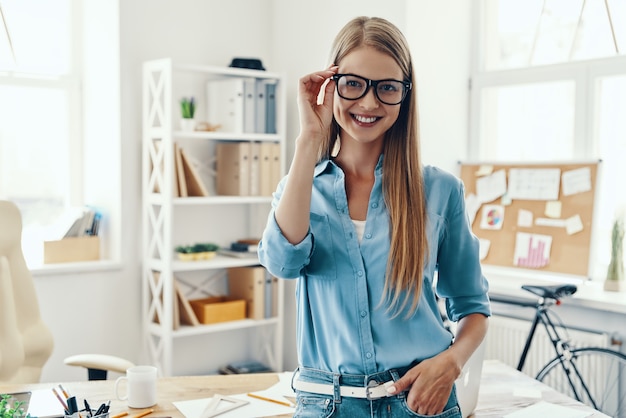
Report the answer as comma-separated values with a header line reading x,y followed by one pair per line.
x,y
40,32
611,133
530,122
520,34
34,159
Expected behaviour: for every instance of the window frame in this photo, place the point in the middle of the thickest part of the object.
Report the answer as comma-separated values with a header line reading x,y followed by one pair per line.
x,y
585,74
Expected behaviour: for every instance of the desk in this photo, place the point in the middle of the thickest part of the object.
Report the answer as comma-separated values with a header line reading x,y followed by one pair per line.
x,y
496,396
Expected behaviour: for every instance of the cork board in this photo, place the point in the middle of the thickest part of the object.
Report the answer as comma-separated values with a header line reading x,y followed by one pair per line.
x,y
542,222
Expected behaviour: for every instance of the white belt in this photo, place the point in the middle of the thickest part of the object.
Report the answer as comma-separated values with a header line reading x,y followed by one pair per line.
x,y
371,392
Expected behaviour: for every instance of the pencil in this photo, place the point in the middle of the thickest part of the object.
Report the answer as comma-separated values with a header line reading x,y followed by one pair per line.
x,y
65,393
120,415
144,413
59,398
263,398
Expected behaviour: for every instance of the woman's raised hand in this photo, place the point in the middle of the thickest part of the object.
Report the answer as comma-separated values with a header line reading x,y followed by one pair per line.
x,y
315,103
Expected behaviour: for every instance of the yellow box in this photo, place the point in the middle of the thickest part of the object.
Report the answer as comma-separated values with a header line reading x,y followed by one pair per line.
x,y
218,309
71,249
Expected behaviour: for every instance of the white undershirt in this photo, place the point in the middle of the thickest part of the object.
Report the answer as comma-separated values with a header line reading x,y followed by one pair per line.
x,y
360,227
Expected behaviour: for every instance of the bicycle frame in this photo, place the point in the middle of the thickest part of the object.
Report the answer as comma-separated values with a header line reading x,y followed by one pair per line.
x,y
560,344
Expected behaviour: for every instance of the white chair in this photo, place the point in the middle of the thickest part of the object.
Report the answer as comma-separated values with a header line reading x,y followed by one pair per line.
x,y
25,341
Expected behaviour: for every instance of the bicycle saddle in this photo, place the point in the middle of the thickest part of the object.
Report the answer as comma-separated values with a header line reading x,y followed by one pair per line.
x,y
555,292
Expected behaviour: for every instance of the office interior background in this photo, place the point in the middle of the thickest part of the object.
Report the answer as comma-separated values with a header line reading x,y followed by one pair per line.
x,y
471,94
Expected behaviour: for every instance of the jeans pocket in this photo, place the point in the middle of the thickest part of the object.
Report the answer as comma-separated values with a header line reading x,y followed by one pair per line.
x,y
453,412
309,405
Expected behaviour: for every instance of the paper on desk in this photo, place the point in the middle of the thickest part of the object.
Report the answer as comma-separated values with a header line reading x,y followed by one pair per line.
x,y
545,409
254,408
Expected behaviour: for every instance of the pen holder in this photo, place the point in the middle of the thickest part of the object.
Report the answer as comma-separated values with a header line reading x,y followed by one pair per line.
x,y
84,414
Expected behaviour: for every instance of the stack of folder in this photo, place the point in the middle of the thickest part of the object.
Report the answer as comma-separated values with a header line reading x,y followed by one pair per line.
x,y
247,168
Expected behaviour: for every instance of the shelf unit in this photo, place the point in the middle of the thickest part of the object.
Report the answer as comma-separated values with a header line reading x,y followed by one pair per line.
x,y
169,221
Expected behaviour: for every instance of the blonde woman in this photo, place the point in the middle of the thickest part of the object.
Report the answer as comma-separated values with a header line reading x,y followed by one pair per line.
x,y
365,229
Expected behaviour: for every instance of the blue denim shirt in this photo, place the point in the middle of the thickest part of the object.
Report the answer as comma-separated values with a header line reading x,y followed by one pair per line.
x,y
341,325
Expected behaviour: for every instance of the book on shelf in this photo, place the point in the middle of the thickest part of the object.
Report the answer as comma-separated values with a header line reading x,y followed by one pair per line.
x,y
248,283
187,316
247,168
233,168
84,222
225,102
242,105
180,172
193,181
238,254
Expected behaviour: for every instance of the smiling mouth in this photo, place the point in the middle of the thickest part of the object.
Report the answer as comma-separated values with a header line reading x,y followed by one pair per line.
x,y
365,119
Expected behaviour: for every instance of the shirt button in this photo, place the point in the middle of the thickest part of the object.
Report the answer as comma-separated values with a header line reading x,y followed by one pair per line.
x,y
359,273
368,236
374,205
368,355
363,314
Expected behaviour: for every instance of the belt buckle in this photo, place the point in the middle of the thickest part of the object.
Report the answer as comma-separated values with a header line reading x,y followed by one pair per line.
x,y
371,385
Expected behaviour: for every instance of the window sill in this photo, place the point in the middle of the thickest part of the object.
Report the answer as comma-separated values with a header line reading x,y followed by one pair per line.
x,y
590,294
78,267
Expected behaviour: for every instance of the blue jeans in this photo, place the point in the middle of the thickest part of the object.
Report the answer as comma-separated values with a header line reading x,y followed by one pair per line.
x,y
313,405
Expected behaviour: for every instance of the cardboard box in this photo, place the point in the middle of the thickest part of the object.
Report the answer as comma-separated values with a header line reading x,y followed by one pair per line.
x,y
218,309
73,249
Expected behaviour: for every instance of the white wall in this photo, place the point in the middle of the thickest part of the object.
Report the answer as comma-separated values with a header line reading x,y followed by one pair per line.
x,y
100,311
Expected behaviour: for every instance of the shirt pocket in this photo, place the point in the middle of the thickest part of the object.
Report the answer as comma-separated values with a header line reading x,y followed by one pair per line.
x,y
322,264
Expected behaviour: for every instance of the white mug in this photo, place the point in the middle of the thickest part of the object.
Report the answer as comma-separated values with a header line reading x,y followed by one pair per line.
x,y
141,386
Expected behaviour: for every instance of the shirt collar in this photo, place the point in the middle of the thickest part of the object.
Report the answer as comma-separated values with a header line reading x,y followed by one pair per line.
x,y
326,164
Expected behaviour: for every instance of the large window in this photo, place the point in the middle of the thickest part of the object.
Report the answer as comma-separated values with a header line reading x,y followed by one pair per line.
x,y
550,85
40,115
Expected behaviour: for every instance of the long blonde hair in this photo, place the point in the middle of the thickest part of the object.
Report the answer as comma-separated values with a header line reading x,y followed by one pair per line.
x,y
403,183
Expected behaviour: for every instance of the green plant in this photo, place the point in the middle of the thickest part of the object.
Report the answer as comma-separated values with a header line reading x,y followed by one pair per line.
x,y
205,247
11,411
187,107
184,249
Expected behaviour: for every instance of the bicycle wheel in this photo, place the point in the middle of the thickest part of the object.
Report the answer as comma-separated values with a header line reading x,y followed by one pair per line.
x,y
597,377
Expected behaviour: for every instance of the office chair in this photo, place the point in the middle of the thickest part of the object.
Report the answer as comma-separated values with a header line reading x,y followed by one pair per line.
x,y
25,341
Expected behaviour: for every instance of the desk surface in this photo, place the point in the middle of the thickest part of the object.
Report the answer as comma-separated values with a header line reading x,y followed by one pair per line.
x,y
499,394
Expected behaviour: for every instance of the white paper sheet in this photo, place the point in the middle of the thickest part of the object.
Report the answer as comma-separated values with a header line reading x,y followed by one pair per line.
x,y
254,408
576,181
534,184
491,187
545,409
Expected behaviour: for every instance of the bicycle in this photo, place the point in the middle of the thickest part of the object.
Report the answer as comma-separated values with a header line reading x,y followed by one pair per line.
x,y
567,370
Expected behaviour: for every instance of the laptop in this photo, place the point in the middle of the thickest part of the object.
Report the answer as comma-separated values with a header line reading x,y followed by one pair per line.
x,y
40,403
468,383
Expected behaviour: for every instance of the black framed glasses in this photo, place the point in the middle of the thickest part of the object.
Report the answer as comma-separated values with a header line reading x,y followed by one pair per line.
x,y
389,91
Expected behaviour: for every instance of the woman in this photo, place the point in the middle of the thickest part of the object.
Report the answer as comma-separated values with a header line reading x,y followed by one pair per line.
x,y
365,229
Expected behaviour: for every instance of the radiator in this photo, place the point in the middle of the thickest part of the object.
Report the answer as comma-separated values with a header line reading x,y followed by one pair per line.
x,y
506,338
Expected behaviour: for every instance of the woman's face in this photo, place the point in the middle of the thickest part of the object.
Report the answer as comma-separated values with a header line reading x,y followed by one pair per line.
x,y
366,119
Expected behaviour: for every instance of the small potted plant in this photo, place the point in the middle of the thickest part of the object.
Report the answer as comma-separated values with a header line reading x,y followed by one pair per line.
x,y
188,112
185,252
205,251
615,280
11,411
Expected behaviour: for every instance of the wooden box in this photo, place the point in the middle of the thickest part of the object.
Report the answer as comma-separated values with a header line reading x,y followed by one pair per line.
x,y
73,249
218,309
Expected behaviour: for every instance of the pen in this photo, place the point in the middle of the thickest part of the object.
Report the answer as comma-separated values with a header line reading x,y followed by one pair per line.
x,y
263,398
72,407
87,407
120,415
102,409
144,413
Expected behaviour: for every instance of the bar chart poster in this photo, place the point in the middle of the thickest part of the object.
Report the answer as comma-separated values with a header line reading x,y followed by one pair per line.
x,y
532,250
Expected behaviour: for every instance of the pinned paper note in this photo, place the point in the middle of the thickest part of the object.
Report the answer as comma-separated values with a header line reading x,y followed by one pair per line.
x,y
553,209
491,187
534,184
524,218
483,248
532,250
576,181
573,225
484,170
472,205
492,217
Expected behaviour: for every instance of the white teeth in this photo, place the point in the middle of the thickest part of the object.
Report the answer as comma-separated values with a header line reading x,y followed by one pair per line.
x,y
364,119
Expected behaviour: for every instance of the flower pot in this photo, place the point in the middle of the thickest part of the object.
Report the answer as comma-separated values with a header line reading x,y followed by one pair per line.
x,y
188,125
